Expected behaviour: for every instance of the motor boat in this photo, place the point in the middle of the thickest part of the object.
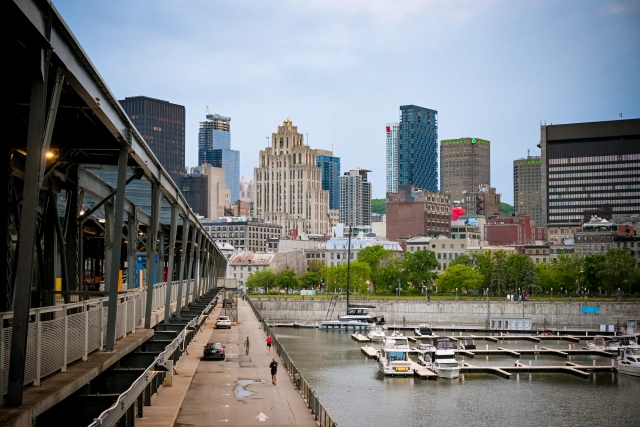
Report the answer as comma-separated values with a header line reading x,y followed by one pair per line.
x,y
629,361
361,314
348,325
425,360
597,343
615,344
394,359
444,362
426,347
306,324
376,334
467,344
423,330
396,333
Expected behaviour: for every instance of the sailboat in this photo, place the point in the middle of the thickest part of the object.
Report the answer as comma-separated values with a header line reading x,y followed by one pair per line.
x,y
357,316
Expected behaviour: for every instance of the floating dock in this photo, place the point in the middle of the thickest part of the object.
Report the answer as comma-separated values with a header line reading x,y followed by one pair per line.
x,y
371,352
360,338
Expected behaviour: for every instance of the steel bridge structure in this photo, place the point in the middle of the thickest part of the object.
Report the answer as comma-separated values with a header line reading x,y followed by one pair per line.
x,y
83,198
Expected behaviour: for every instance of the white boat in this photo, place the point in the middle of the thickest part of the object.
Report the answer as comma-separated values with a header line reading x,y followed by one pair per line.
x,y
426,347
468,344
394,359
423,330
349,325
629,361
597,343
615,344
425,360
361,314
396,334
306,324
444,362
376,334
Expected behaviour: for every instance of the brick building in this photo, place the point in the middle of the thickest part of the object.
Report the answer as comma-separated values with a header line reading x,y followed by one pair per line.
x,y
413,212
513,230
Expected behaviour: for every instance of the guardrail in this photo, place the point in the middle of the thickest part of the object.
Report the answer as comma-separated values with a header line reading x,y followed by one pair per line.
x,y
115,412
61,334
319,412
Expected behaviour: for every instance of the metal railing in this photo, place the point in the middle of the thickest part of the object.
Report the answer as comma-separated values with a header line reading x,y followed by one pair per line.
x,y
61,334
318,410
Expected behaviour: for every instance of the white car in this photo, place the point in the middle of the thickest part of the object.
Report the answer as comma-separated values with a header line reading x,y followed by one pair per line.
x,y
223,322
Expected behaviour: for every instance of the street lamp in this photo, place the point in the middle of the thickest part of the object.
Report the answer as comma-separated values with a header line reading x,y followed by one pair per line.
x,y
551,294
618,294
456,294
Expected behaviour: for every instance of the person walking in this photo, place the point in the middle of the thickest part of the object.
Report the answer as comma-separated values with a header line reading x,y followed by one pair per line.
x,y
274,370
247,345
269,341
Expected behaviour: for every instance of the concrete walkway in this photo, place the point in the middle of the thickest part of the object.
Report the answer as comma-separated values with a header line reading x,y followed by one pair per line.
x,y
236,392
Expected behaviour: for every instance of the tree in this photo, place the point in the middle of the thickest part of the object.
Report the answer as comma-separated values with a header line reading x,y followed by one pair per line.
x,y
419,267
547,276
311,279
261,279
374,256
315,265
459,276
592,269
568,267
388,276
619,270
520,272
379,206
287,279
336,276
498,267
463,259
482,263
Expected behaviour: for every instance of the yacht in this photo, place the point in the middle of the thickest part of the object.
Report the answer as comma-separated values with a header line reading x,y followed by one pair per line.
x,y
444,360
361,314
597,343
629,360
426,347
305,324
348,325
468,344
396,333
376,334
614,345
394,359
423,330
425,360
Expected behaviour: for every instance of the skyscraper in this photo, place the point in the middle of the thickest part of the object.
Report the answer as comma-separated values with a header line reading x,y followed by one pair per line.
x,y
590,169
527,176
418,147
330,171
162,125
393,142
288,188
214,148
355,198
464,166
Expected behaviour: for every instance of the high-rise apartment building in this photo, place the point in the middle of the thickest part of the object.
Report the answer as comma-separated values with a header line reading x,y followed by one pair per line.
x,y
162,125
330,169
418,147
527,176
590,169
464,165
393,145
288,184
214,148
205,190
355,198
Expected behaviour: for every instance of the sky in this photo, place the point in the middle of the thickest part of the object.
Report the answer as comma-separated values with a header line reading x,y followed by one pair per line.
x,y
340,69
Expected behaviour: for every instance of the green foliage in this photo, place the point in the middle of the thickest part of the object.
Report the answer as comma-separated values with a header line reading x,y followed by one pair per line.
x,y
335,276
287,279
379,206
592,268
261,279
463,259
506,209
418,268
461,277
619,270
387,276
311,279
547,276
568,267
315,265
521,273
374,256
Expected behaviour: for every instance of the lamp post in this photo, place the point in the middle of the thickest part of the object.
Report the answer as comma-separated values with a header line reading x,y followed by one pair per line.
x,y
368,289
618,294
551,294
456,294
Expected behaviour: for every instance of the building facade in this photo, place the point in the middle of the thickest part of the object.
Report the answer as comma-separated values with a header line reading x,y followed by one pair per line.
x,y
447,250
205,190
246,189
243,233
355,198
418,147
330,170
465,164
392,145
214,148
527,197
513,230
590,169
484,201
413,212
162,125
337,249
289,185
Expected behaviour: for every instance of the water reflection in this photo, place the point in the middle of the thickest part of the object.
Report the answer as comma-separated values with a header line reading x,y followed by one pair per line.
x,y
355,393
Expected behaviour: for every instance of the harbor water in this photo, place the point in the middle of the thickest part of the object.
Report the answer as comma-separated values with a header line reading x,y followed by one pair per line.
x,y
355,393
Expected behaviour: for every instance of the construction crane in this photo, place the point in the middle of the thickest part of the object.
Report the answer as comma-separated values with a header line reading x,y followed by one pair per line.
x,y
208,113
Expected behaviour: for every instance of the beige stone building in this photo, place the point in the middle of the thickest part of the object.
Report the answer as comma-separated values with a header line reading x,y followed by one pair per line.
x,y
288,185
206,192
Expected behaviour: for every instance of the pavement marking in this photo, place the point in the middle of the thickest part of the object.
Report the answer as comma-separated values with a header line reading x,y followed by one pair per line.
x,y
262,417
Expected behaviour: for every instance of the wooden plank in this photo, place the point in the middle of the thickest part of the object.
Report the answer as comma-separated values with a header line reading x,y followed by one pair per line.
x,y
360,338
371,352
510,352
423,372
557,352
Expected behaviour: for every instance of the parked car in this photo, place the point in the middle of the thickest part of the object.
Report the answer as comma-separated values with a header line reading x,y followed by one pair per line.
x,y
223,322
228,302
213,350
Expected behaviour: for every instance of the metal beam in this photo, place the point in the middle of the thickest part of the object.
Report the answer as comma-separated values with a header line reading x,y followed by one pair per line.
x,y
132,250
37,146
190,272
138,173
173,230
117,245
152,236
183,256
72,232
66,277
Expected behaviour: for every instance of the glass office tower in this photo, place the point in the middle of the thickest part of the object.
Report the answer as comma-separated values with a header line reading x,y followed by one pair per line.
x,y
214,148
418,147
330,170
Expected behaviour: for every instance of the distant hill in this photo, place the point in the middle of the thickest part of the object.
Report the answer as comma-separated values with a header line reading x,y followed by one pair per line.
x,y
506,209
378,206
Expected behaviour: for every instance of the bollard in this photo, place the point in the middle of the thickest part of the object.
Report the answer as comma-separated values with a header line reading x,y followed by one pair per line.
x,y
518,362
586,333
611,362
168,379
569,346
536,346
487,346
529,362
558,333
460,333
594,362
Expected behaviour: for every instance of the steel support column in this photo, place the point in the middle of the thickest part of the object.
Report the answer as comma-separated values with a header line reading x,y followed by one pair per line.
x,y
190,271
108,244
160,252
197,267
38,139
173,230
72,231
132,250
114,265
152,249
183,256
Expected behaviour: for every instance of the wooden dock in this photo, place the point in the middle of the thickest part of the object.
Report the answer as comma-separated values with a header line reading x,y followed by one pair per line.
x,y
424,373
360,338
498,338
372,353
501,351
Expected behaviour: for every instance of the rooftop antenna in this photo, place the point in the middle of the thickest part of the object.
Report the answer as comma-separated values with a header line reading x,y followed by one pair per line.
x,y
208,113
528,153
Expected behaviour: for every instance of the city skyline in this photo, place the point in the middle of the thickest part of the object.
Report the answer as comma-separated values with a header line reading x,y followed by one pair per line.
x,y
341,64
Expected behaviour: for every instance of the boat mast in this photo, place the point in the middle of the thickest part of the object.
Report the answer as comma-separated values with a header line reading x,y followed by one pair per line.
x,y
348,267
